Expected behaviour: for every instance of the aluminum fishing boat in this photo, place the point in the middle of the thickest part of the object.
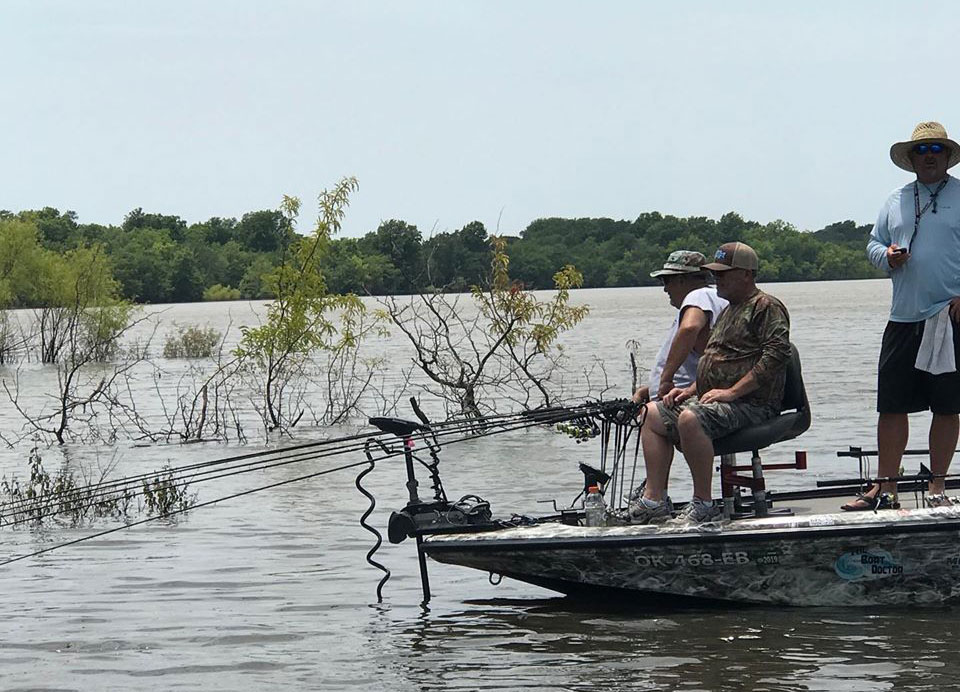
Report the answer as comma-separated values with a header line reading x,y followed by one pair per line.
x,y
793,548
813,557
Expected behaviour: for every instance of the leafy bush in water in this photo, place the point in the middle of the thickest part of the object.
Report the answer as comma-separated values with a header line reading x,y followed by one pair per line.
x,y
63,498
191,341
163,495
221,292
60,497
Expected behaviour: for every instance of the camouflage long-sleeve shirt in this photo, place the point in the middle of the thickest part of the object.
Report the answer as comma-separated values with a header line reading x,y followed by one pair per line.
x,y
751,336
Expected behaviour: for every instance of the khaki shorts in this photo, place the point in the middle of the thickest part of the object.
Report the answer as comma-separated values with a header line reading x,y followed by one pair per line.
x,y
718,419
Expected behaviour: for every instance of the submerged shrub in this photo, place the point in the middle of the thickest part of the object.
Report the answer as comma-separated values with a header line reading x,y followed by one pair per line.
x,y
59,496
191,341
221,292
164,494
63,498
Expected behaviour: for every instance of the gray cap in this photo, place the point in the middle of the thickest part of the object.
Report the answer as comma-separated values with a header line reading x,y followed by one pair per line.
x,y
681,262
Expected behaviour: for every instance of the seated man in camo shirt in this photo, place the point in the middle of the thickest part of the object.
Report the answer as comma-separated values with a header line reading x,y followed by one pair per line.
x,y
740,381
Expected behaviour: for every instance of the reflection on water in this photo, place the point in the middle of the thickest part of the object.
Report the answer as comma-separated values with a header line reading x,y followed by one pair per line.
x,y
555,644
272,590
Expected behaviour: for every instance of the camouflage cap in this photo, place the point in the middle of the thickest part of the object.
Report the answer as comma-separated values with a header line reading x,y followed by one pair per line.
x,y
681,262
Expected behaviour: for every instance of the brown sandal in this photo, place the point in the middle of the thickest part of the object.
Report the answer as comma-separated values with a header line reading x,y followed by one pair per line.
x,y
865,503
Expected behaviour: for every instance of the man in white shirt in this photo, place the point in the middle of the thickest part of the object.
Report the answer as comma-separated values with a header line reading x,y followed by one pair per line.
x,y
698,307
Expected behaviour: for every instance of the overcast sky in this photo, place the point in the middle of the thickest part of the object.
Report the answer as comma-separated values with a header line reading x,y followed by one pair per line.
x,y
448,111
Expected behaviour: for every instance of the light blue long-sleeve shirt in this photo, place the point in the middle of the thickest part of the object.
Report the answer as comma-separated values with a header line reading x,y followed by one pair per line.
x,y
931,277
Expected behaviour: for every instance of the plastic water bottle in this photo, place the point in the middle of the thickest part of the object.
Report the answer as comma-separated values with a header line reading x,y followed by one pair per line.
x,y
594,506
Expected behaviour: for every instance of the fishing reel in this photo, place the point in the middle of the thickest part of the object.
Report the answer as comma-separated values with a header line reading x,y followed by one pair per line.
x,y
580,429
625,413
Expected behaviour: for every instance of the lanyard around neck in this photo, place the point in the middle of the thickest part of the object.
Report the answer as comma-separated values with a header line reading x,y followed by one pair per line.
x,y
918,212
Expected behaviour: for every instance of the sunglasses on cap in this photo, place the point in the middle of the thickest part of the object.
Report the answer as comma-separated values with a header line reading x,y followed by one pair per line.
x,y
932,148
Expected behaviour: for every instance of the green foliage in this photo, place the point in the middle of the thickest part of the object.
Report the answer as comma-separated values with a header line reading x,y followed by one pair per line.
x,y
160,258
219,292
59,496
506,349
191,341
299,320
26,268
63,497
164,494
518,315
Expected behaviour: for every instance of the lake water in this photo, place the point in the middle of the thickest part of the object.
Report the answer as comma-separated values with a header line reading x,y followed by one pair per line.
x,y
272,591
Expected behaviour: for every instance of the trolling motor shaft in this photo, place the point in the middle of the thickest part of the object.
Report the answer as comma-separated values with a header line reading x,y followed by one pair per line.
x,y
404,429
419,517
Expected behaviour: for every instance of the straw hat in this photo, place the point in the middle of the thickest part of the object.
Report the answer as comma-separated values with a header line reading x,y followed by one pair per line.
x,y
924,132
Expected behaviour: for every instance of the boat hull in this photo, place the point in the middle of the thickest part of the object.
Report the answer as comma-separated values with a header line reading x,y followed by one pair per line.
x,y
894,558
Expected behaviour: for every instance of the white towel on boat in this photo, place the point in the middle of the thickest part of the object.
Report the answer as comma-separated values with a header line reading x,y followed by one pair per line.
x,y
936,354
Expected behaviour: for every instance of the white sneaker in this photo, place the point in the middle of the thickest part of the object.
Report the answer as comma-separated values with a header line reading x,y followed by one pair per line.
x,y
697,512
642,511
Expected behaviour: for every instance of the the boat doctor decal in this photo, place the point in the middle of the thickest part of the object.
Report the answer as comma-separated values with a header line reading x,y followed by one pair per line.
x,y
867,564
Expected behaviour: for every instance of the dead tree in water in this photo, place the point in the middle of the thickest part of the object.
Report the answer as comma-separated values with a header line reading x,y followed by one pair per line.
x,y
79,334
503,345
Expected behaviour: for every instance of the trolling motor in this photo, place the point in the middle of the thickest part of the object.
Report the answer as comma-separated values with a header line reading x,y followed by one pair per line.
x,y
424,517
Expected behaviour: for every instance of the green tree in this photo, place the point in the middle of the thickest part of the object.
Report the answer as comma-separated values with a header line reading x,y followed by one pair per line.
x,y
455,261
264,231
299,318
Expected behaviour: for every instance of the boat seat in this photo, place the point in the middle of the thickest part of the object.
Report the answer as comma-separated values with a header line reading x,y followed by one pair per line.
x,y
794,420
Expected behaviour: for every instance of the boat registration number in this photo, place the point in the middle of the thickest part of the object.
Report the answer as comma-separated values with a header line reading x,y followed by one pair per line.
x,y
709,560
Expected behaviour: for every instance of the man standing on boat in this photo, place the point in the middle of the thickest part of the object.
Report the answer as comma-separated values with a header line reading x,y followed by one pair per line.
x,y
916,240
698,306
740,381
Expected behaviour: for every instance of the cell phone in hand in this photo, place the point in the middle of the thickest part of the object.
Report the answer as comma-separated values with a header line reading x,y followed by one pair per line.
x,y
900,251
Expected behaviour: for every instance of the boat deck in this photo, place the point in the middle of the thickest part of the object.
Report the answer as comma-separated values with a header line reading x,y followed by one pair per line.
x,y
831,505
785,516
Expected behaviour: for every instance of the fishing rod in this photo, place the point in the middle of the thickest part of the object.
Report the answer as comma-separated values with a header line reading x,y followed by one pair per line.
x,y
136,479
197,472
857,452
260,458
42,507
524,420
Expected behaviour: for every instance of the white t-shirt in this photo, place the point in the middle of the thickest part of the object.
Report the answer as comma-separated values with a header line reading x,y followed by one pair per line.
x,y
706,299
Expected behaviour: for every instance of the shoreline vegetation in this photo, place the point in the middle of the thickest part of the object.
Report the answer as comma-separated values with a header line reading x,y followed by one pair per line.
x,y
157,258
302,363
479,339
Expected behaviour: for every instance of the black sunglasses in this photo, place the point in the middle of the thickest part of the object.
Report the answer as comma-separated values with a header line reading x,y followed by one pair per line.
x,y
932,148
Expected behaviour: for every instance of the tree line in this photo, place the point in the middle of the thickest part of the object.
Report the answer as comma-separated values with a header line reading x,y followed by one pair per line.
x,y
159,258
303,361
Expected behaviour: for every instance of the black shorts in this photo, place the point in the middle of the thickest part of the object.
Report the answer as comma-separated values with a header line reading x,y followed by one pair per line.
x,y
901,388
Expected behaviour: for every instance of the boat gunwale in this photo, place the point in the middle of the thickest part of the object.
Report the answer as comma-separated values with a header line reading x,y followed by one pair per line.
x,y
450,542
